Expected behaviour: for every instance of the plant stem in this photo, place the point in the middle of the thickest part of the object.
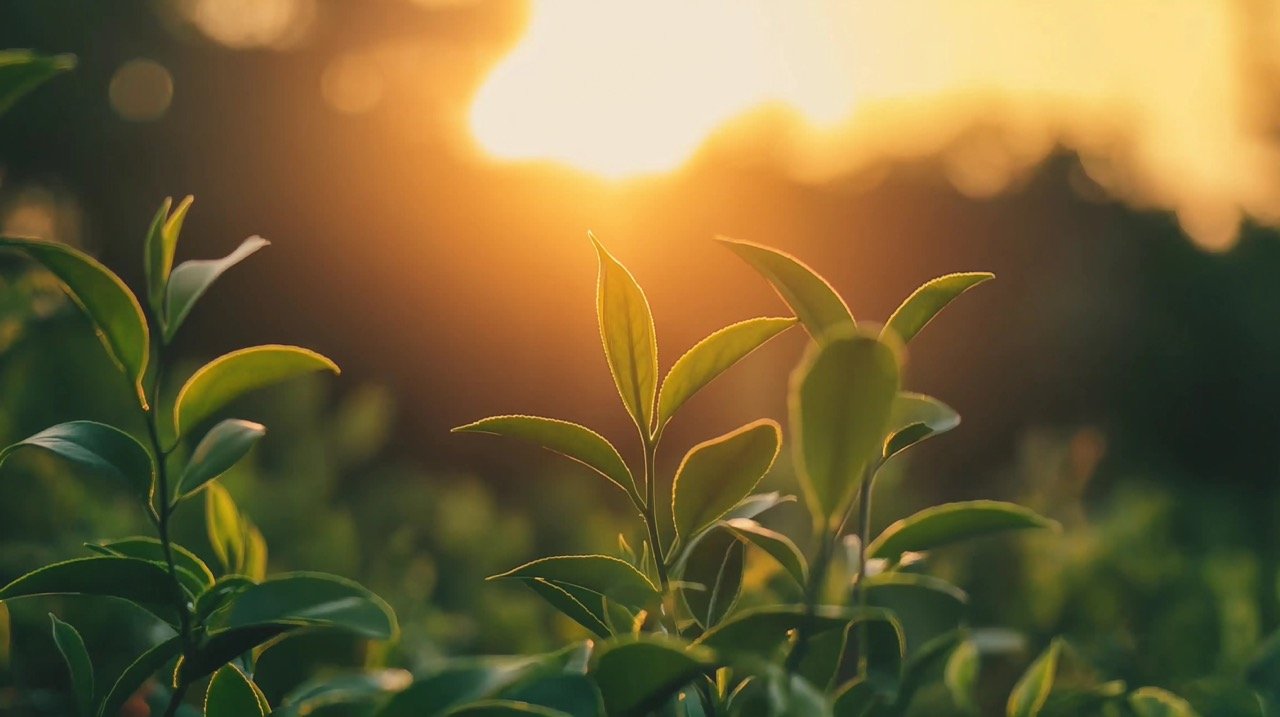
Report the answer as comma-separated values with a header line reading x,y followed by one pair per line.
x,y
651,511
859,587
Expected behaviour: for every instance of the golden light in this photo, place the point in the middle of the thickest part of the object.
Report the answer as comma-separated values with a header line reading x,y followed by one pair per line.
x,y
1164,101
141,90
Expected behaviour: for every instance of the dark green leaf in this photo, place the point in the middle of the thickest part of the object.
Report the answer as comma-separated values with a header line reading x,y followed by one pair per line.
x,y
638,674
308,600
951,522
504,708
841,396
151,549
232,694
216,650
219,594
613,578
816,304
71,645
161,244
113,309
914,418
577,610
711,357
575,695
139,581
220,449
777,545
22,71
931,298
858,698
137,673
713,572
761,631
99,447
568,439
463,681
358,688
229,376
1033,688
716,474
926,607
1155,702
192,278
961,675
630,345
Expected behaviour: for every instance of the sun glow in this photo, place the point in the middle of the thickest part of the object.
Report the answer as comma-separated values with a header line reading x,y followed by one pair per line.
x,y
1163,101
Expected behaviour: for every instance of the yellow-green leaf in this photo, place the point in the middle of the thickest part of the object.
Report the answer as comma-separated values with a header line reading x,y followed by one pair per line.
x,y
229,376
224,526
914,418
1155,702
191,279
232,694
22,71
220,449
161,245
1032,689
931,298
630,344
718,473
775,544
943,524
608,576
816,304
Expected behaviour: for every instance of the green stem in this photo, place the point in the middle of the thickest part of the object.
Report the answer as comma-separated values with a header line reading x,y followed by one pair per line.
x,y
859,587
651,512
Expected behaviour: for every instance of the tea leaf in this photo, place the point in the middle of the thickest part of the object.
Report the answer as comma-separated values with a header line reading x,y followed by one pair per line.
x,y
22,71
841,397
613,578
192,278
777,545
575,695
99,447
224,527
114,310
1155,702
232,694
951,522
1032,689
220,593
145,548
74,654
961,675
307,600
926,607
573,608
231,375
636,675
931,298
754,505
139,581
161,244
761,631
255,551
816,304
626,328
568,439
137,673
334,692
220,449
858,698
505,708
711,357
714,566
914,418
716,474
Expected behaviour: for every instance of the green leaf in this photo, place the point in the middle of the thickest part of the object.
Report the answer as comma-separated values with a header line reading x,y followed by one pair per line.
x,y
137,673
328,691
914,418
216,650
568,439
961,675
71,645
568,604
816,304
255,551
220,449
145,548
161,244
575,695
138,581
931,298
775,544
841,397
716,474
761,631
713,574
505,708
711,357
232,694
858,698
638,674
192,278
114,310
613,578
225,528
1032,689
1155,702
927,607
464,681
753,505
219,594
630,344
22,71
943,524
231,375
99,447
308,600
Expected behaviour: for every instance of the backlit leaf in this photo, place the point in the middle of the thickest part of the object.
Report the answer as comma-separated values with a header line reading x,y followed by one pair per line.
x,y
1155,702
161,245
816,304
99,447
636,675
931,298
139,581
76,657
943,524
775,544
761,631
914,418
961,675
713,574
232,375
613,578
151,549
232,694
192,278
220,449
754,505
114,310
1032,689
716,474
224,527
22,71
630,344
308,600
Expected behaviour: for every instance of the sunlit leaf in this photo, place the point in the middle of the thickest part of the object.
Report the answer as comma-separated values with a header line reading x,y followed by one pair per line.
x,y
931,298
191,279
224,527
151,549
710,358
630,345
753,505
613,578
638,674
775,544
961,675
232,375
114,310
255,551
1155,702
76,657
716,474
575,609
569,439
99,447
22,71
161,245
308,600
137,673
944,524
713,572
1032,689
816,304
232,694
841,397
914,418
220,449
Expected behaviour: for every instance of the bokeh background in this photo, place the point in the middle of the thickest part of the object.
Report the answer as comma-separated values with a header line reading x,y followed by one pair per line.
x,y
427,171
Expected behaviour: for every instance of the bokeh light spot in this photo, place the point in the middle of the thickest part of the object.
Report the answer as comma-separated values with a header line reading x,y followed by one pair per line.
x,y
141,90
